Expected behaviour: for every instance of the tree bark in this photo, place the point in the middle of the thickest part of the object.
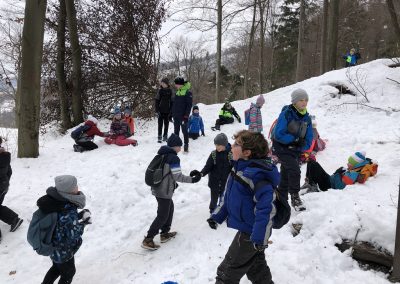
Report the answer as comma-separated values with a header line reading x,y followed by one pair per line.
x,y
29,93
299,69
219,51
60,72
250,47
333,33
324,37
77,105
394,19
262,5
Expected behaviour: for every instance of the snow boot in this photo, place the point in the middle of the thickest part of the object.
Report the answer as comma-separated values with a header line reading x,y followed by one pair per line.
x,y
165,237
165,137
16,224
159,139
149,244
186,148
306,184
216,127
296,202
78,148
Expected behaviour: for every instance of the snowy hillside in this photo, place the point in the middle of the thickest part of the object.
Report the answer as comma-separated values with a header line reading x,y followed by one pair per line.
x,y
112,177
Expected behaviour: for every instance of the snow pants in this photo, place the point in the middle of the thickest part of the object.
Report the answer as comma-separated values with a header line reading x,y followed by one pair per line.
x,y
6,214
120,140
163,221
88,145
317,175
178,124
290,174
66,270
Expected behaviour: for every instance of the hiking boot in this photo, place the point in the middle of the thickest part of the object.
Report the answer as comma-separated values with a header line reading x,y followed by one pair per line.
x,y
16,224
159,139
305,185
149,244
186,148
165,138
78,148
165,237
313,188
134,143
296,202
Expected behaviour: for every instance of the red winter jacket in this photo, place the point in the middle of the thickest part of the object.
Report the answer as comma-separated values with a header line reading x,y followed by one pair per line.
x,y
93,130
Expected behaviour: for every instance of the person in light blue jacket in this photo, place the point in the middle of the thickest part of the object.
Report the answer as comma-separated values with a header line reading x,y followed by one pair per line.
x,y
250,211
196,124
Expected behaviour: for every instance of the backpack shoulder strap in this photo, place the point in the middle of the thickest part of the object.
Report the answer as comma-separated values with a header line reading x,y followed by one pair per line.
x,y
214,156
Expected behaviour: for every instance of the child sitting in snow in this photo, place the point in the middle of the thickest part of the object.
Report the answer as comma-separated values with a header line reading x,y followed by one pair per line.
x,y
226,115
65,199
130,121
255,124
85,140
195,124
359,169
119,131
218,167
317,144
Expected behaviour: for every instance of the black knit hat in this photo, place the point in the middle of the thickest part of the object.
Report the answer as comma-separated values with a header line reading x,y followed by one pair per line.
x,y
165,80
174,141
195,107
179,80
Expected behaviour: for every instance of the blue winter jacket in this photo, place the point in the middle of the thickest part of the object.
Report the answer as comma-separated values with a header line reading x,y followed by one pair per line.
x,y
286,141
195,124
245,210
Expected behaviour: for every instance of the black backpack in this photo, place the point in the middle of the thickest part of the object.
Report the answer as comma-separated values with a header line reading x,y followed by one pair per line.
x,y
282,206
154,173
78,132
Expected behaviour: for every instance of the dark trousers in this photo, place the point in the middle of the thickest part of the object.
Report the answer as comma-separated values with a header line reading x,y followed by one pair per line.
x,y
290,174
223,120
88,145
216,192
317,175
163,120
6,214
163,221
194,136
66,270
242,259
178,124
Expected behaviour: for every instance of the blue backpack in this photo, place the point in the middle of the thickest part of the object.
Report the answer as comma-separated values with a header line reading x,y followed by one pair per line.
x,y
40,232
247,117
78,132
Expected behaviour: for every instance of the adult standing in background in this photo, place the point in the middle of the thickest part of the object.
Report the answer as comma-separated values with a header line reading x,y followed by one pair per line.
x,y
163,106
181,109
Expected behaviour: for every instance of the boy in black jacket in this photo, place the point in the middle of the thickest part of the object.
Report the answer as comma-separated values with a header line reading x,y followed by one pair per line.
x,y
163,106
218,166
6,214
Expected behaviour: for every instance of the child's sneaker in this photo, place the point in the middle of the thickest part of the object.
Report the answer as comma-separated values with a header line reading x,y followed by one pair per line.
x,y
159,139
149,244
16,224
165,237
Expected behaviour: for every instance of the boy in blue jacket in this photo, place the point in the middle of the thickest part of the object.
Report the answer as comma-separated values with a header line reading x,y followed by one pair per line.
x,y
65,199
248,211
195,124
292,135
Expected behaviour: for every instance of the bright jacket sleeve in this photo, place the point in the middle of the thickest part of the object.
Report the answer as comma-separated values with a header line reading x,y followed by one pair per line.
x,y
176,171
350,177
281,131
264,212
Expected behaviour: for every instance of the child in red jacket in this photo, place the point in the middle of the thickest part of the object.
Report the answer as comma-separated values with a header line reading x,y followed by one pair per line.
x,y
85,141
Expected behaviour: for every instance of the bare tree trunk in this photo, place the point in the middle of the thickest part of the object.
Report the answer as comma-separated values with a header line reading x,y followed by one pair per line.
x,y
60,72
324,37
77,105
393,16
29,92
333,33
299,69
261,5
250,47
219,51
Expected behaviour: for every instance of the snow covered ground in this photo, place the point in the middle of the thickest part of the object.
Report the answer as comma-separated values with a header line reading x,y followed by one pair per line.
x,y
112,177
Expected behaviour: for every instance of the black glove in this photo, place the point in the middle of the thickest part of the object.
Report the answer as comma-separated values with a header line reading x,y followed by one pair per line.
x,y
85,216
170,118
238,118
340,171
213,225
260,247
196,178
194,173
202,133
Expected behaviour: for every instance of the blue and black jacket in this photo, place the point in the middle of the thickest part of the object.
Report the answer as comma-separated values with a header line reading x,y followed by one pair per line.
x,y
246,210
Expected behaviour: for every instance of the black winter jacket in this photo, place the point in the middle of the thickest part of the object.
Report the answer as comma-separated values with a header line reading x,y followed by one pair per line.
x,y
164,101
219,170
5,170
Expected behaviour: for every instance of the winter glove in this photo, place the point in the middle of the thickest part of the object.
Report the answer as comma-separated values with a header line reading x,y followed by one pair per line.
x,y
196,178
260,247
340,171
202,133
170,118
85,216
213,225
239,119
194,173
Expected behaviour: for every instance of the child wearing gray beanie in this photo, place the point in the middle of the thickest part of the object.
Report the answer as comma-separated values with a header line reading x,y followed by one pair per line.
x,y
298,95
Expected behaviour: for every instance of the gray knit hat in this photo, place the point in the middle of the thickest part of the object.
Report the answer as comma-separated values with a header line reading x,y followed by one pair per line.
x,y
65,183
299,94
221,139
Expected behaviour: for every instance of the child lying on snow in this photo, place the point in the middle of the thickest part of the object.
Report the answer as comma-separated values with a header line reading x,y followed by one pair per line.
x,y
359,169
